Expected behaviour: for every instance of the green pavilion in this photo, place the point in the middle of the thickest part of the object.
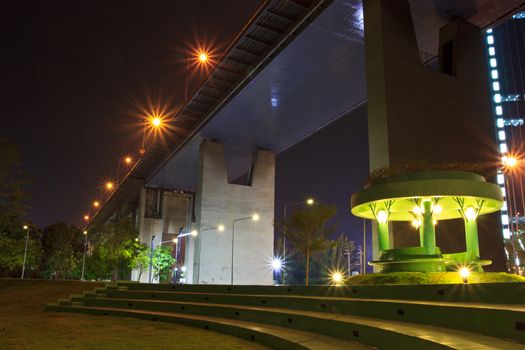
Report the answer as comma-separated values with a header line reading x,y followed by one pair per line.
x,y
423,199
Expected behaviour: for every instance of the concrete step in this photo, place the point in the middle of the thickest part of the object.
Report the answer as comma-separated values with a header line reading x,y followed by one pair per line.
x,y
275,337
370,331
497,293
504,321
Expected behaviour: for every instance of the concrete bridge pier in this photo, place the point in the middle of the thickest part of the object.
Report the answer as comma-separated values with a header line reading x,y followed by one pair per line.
x,y
434,114
219,202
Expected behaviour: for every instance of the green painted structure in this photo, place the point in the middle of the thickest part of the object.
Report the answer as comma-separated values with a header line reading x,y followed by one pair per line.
x,y
423,199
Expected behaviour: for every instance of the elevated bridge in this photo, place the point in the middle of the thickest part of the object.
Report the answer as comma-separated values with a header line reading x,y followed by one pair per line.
x,y
297,66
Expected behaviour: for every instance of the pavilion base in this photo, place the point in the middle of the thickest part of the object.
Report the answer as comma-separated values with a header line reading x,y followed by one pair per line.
x,y
416,259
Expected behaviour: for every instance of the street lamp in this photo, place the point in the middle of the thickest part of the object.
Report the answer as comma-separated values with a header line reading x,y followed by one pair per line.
x,y
193,233
202,58
25,227
96,204
219,228
84,257
510,164
309,202
109,186
254,217
151,258
155,122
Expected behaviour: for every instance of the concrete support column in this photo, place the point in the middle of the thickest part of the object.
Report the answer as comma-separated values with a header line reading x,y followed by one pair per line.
x,y
221,203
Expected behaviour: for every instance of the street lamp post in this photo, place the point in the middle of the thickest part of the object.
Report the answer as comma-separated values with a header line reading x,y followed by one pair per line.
x,y
84,257
347,253
219,228
309,201
202,57
509,164
254,217
26,227
177,250
151,258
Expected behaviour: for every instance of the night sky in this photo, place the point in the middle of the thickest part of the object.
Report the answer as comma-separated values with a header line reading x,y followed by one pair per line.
x,y
72,73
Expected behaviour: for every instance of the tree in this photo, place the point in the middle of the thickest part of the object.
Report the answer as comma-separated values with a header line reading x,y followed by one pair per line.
x,y
307,232
162,262
113,242
140,259
13,195
63,248
12,256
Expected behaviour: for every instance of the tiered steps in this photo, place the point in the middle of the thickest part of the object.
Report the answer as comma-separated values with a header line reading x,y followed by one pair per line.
x,y
323,317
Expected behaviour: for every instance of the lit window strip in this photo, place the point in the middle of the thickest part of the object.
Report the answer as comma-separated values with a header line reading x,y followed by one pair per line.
x,y
500,125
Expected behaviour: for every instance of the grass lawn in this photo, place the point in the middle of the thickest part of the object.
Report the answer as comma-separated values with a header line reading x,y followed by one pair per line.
x,y
25,325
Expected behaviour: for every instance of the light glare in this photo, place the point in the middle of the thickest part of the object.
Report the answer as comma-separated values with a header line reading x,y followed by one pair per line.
x,y
382,216
464,272
471,214
336,277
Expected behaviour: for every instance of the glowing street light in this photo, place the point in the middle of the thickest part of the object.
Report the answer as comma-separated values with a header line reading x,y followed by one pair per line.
x,y
254,217
96,204
84,256
509,161
156,122
128,160
25,227
276,264
86,217
109,186
203,57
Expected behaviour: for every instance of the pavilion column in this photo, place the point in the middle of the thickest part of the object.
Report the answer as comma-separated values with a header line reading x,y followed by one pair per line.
x,y
429,233
471,238
382,232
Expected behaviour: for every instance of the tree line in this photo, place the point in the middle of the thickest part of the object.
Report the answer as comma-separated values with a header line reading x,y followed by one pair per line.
x,y
57,251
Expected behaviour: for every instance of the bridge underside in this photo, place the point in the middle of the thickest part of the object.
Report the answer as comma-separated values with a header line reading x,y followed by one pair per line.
x,y
317,78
